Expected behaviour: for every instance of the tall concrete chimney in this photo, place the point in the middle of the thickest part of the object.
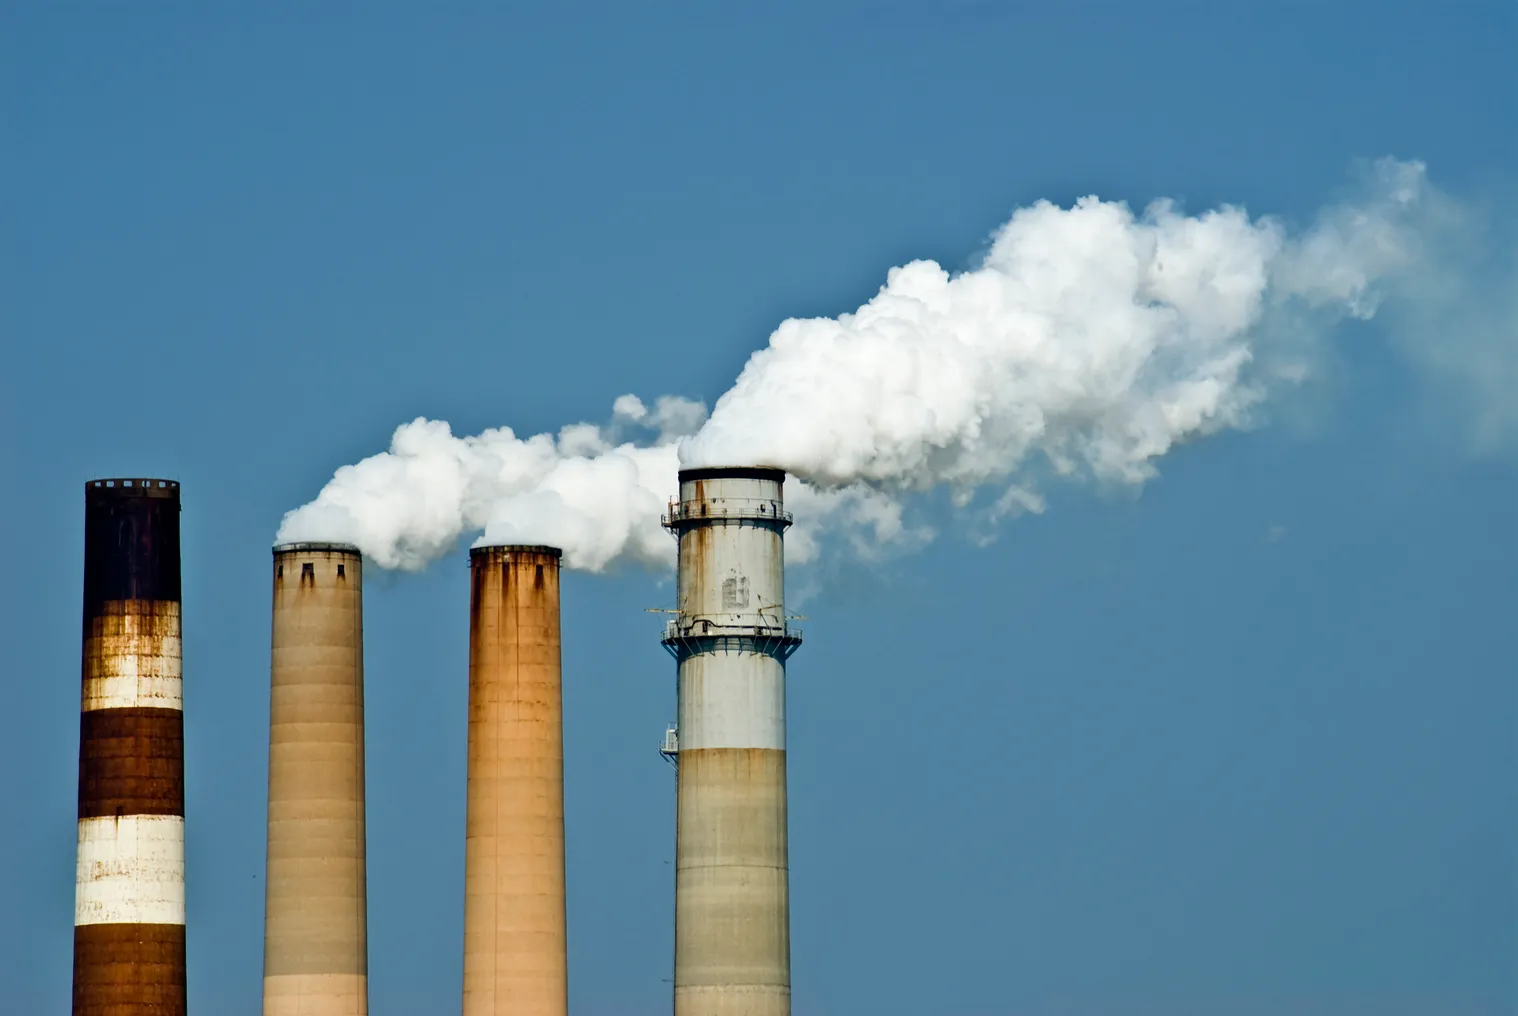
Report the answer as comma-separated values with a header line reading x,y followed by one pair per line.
x,y
315,906
731,641
129,945
514,924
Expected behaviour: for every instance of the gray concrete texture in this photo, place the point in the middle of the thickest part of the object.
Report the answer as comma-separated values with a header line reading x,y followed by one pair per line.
x,y
732,909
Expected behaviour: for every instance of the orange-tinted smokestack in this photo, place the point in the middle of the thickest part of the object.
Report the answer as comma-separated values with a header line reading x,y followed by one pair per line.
x,y
514,923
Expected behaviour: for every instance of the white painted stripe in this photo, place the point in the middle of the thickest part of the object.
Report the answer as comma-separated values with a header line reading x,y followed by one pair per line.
x,y
732,700
131,870
133,659
123,692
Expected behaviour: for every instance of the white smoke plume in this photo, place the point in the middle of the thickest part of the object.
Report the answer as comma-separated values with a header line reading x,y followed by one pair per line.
x,y
1087,343
583,490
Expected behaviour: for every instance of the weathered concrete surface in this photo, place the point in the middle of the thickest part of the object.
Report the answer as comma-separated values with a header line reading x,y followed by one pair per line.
x,y
514,922
731,639
129,899
732,918
129,970
315,904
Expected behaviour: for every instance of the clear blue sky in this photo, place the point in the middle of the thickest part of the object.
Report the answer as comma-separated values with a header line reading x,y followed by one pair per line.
x,y
1244,744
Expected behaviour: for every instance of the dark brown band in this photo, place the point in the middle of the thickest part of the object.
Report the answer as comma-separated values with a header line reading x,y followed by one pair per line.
x,y
131,546
129,970
131,762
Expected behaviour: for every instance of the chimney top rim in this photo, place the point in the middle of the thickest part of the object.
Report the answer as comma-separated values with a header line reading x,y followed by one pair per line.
x,y
515,548
315,546
733,473
131,486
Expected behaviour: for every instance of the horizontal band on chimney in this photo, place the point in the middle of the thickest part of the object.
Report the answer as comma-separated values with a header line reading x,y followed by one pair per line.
x,y
133,656
131,870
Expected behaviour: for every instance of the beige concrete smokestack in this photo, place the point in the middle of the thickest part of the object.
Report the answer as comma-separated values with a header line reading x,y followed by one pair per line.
x,y
315,908
731,640
514,925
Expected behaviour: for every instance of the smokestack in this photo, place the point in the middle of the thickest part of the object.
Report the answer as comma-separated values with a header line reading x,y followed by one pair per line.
x,y
732,904
129,937
315,906
514,924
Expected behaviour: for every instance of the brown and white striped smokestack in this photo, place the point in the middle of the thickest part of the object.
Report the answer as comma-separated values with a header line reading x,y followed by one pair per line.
x,y
129,941
315,905
514,923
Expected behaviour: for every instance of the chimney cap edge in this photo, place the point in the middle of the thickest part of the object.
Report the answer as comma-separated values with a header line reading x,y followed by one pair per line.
x,y
316,546
733,473
515,548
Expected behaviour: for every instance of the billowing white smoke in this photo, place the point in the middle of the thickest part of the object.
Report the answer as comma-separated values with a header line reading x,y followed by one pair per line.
x,y
1087,343
597,497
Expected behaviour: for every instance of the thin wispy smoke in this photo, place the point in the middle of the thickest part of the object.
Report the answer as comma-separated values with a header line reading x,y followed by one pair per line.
x,y
1087,343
